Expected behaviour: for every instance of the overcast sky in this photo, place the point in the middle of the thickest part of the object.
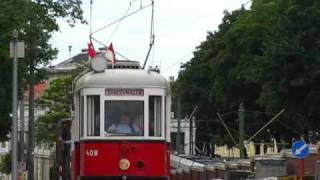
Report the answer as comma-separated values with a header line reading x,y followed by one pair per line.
x,y
180,26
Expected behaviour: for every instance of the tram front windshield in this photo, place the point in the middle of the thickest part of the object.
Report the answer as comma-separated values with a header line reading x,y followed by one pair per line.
x,y
124,118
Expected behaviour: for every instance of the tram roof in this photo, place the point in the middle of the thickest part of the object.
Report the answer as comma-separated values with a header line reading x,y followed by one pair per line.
x,y
122,78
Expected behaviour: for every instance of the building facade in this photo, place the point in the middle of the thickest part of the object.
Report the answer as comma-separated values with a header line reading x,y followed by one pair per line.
x,y
187,141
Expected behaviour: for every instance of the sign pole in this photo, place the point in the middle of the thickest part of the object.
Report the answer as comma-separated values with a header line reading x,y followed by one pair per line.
x,y
302,169
300,150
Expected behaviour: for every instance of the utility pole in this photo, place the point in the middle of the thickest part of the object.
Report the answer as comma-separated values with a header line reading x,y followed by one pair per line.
x,y
33,21
191,120
178,137
31,115
22,129
241,129
14,133
191,135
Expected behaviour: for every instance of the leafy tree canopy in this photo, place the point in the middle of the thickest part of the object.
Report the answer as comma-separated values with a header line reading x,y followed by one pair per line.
x,y
5,164
35,21
58,97
267,57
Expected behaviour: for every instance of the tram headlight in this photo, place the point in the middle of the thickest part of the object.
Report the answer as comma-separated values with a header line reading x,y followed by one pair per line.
x,y
124,164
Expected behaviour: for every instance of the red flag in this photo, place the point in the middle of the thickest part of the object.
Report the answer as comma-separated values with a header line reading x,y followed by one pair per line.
x,y
113,56
91,51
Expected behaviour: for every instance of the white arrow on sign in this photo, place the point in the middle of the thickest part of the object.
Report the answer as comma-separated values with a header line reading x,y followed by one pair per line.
x,y
299,150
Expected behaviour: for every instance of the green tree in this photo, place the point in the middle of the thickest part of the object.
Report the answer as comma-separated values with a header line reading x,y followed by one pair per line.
x,y
35,21
268,58
58,97
5,164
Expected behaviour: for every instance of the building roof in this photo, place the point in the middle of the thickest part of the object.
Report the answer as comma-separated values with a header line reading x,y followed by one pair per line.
x,y
38,90
69,64
82,58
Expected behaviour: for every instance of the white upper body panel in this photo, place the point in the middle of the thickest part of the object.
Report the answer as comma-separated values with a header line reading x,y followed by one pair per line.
x,y
122,78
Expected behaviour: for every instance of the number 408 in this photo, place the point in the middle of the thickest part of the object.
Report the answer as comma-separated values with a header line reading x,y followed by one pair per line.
x,y
92,152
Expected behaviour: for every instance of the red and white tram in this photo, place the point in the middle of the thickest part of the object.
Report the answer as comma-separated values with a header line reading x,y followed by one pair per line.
x,y
121,125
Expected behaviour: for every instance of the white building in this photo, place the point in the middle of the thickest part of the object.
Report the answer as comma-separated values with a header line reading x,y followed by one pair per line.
x,y
42,154
186,140
4,149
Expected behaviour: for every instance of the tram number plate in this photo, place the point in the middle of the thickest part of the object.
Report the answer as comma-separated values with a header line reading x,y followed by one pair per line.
x,y
92,152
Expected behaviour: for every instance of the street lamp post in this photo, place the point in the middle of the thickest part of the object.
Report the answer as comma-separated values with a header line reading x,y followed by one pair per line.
x,y
14,139
16,51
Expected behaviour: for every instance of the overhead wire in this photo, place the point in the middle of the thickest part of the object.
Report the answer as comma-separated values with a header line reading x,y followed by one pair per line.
x,y
120,19
226,127
261,112
118,25
176,62
274,118
290,128
107,47
132,1
246,3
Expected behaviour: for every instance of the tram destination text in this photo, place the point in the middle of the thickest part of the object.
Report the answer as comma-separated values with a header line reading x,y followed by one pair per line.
x,y
124,92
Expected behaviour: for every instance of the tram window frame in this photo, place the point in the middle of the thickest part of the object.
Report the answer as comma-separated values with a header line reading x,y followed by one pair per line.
x,y
93,115
155,118
165,116
81,108
137,122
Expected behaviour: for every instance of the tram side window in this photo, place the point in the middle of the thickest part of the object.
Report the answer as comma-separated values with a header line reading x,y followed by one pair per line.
x,y
155,115
93,115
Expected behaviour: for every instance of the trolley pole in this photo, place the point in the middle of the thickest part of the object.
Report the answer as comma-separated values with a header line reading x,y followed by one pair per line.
x,y
178,138
241,129
14,139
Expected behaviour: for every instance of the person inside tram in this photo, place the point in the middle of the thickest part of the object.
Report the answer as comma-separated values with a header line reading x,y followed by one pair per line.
x,y
138,120
125,126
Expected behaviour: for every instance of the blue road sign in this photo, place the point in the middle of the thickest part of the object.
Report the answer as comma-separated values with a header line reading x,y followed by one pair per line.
x,y
300,149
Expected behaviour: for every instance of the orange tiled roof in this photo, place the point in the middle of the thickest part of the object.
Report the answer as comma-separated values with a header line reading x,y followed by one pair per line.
x,y
38,89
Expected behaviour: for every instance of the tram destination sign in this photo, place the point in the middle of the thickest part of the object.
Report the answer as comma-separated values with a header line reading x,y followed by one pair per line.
x,y
124,92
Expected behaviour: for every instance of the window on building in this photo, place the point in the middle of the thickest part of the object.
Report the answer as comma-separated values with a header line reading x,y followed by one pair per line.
x,y
155,113
93,115
124,118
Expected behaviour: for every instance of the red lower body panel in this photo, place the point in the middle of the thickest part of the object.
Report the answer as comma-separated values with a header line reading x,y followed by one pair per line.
x,y
146,159
75,162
